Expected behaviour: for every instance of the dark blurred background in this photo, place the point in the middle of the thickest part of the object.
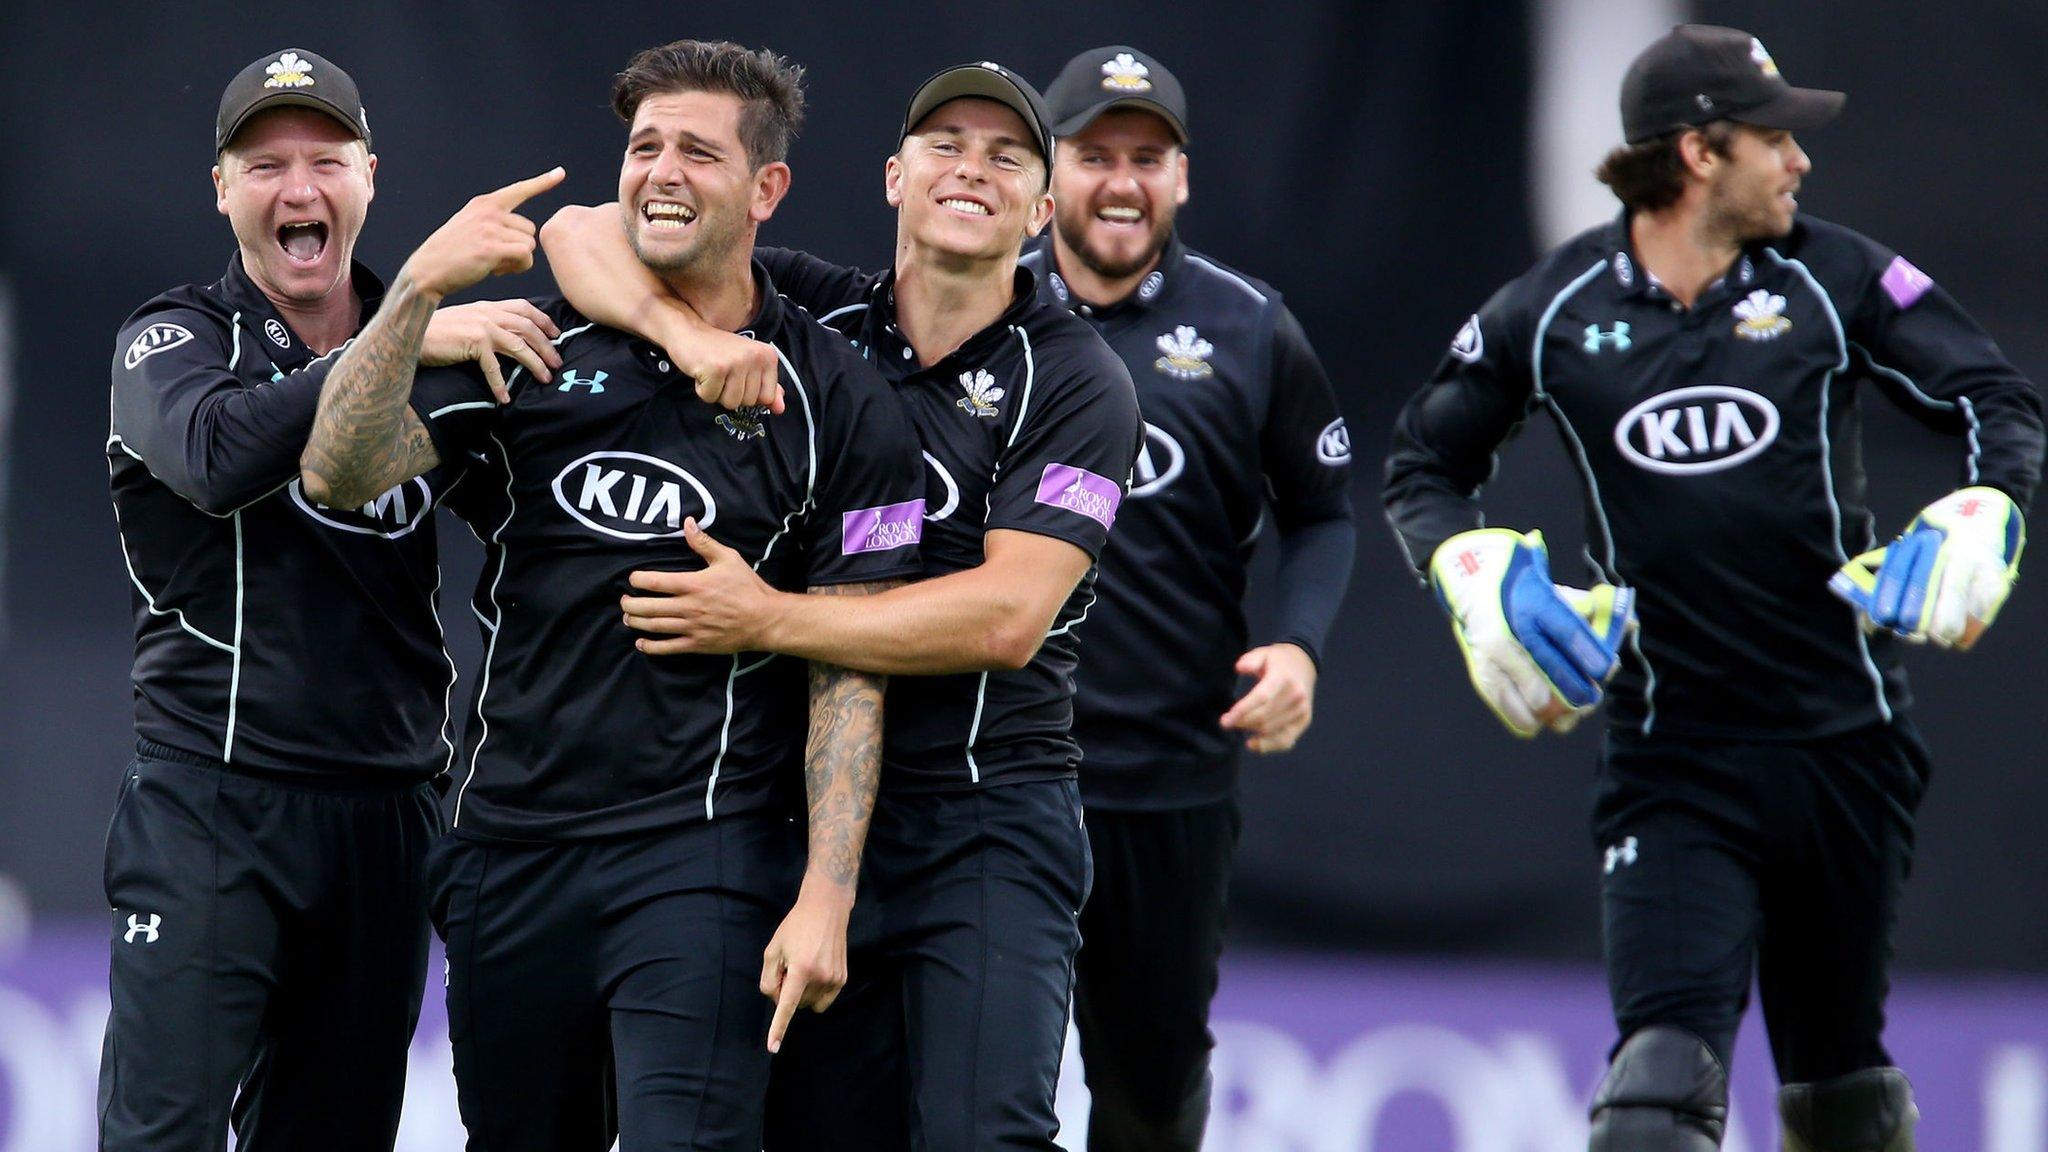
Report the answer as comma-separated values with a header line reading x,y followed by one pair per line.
x,y
1384,164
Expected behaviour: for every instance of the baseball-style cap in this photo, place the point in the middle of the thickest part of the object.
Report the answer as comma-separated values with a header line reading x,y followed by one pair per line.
x,y
1702,72
990,81
1115,77
291,78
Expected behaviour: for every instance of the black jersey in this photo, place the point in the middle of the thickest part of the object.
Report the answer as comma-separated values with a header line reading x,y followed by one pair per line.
x,y
1238,414
1032,424
271,633
1720,457
582,481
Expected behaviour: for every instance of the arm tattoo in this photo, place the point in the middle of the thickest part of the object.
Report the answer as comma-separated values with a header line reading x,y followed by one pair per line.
x,y
365,438
843,757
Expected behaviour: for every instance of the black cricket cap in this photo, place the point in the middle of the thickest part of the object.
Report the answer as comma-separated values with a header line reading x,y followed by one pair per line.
x,y
1115,77
989,81
1702,72
291,78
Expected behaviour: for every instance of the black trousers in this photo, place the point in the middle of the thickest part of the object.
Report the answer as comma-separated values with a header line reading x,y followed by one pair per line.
x,y
1782,861
269,948
1151,936
610,988
949,1035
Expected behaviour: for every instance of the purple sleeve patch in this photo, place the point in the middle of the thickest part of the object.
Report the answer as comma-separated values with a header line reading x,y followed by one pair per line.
x,y
1082,491
1904,283
880,529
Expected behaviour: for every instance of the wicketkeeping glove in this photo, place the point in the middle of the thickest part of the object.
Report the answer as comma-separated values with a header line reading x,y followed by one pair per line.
x,y
1537,652
1945,578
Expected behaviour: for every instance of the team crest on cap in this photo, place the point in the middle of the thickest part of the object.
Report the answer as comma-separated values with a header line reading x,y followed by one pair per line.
x,y
289,71
1762,57
1125,74
1762,316
982,393
1187,354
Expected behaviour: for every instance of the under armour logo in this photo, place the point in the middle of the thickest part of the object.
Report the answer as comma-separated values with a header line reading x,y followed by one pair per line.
x,y
148,930
1620,855
569,380
1617,339
1970,507
1468,562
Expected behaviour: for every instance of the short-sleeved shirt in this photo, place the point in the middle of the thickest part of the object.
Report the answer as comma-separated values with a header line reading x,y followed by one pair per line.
x,y
1718,450
272,634
1239,416
1032,425
581,481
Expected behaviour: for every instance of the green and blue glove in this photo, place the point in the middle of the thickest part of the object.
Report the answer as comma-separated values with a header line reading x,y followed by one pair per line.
x,y
1945,578
1537,652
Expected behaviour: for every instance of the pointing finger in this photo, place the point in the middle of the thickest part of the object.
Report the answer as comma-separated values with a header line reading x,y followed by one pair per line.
x,y
785,1007
520,191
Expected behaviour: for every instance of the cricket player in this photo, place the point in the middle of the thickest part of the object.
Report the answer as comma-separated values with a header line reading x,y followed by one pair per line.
x,y
1704,357
264,861
949,1035
621,848
1242,432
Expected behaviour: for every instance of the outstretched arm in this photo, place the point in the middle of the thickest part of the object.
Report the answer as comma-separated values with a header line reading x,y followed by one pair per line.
x,y
805,964
364,437
599,274
989,617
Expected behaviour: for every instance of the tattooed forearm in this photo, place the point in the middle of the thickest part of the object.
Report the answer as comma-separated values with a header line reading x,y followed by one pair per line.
x,y
843,757
365,437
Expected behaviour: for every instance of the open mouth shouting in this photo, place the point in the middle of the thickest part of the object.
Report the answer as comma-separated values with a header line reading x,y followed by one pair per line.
x,y
303,241
667,216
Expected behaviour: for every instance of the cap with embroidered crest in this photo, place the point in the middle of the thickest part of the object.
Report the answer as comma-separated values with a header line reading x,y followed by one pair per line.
x,y
1115,77
1702,72
291,78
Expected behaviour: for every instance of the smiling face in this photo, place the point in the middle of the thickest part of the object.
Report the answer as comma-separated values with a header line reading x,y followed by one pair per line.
x,y
690,195
1752,192
296,184
1118,184
968,182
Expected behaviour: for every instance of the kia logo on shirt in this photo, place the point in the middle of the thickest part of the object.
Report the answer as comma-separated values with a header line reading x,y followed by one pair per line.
x,y
631,496
1159,462
1703,428
401,508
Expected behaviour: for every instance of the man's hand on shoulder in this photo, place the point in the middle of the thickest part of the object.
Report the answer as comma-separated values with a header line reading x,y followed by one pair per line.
x,y
1280,705
487,329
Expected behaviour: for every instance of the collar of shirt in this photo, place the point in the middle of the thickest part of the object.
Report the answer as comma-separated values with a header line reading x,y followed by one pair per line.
x,y
1150,290
283,345
1635,281
766,326
892,349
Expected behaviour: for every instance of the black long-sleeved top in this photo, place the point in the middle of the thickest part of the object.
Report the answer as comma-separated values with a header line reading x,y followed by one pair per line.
x,y
1030,425
1719,452
271,633
1239,418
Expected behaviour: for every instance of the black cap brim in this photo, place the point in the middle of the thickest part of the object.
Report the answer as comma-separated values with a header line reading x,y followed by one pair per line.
x,y
290,100
986,83
1794,110
1080,121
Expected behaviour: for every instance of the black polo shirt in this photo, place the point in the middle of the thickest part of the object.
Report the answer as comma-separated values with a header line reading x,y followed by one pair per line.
x,y
1239,415
1032,424
1719,454
578,483
272,634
